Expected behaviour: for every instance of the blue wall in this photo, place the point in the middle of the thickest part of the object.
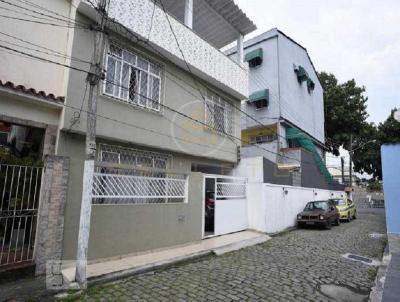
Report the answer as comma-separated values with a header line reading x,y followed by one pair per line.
x,y
391,185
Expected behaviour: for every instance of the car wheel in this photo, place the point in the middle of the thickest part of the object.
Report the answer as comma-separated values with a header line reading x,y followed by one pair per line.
x,y
355,215
337,221
348,217
328,225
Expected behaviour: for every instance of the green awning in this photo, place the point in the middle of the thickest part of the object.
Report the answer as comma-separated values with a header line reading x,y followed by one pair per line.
x,y
256,54
302,74
259,95
310,84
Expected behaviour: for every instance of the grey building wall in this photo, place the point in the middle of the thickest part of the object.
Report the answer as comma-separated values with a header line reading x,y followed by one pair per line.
x,y
170,131
311,176
274,175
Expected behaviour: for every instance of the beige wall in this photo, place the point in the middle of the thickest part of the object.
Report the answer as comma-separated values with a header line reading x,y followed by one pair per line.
x,y
30,110
29,72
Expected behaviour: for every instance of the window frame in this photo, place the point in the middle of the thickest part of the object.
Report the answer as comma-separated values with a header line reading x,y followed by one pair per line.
x,y
213,99
133,66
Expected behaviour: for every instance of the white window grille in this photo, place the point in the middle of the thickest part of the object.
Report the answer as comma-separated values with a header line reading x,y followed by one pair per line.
x,y
132,185
219,114
133,157
132,78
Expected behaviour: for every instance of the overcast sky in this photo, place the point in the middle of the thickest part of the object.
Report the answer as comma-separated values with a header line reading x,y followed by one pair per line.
x,y
357,39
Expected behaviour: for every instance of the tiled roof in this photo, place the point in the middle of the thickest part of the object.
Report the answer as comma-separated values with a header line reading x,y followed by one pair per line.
x,y
31,91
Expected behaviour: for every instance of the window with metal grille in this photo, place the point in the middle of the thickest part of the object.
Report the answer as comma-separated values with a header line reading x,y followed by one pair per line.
x,y
133,157
131,185
132,78
219,115
262,139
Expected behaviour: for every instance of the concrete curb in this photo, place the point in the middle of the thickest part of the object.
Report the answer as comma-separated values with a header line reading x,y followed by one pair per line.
x,y
239,245
376,293
146,268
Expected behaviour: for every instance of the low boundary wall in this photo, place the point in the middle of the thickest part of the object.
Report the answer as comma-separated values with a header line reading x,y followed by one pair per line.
x,y
273,208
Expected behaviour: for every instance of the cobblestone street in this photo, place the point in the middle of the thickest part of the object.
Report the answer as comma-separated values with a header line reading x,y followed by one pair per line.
x,y
290,267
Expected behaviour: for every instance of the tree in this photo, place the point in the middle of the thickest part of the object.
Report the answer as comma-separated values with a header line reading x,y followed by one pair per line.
x,y
368,158
345,111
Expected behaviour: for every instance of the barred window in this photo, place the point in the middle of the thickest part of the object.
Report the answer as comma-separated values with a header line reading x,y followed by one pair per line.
x,y
219,114
132,78
133,157
262,139
131,185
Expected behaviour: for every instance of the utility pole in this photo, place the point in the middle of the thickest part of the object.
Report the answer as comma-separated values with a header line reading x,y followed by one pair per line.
x,y
94,77
351,161
342,162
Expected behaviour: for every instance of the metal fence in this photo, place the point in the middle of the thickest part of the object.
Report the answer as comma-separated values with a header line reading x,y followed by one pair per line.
x,y
229,187
138,186
19,189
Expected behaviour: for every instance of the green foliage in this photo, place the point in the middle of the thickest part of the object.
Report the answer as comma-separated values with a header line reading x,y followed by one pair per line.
x,y
374,185
7,157
368,158
345,111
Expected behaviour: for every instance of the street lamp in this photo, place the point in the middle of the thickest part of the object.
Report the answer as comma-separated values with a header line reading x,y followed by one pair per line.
x,y
351,151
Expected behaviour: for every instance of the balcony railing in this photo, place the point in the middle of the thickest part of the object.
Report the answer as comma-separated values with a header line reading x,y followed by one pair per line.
x,y
149,22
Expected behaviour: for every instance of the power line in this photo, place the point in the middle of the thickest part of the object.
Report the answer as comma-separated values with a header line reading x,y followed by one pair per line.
x,y
163,105
39,13
29,3
42,59
44,52
145,129
41,23
45,48
189,84
140,40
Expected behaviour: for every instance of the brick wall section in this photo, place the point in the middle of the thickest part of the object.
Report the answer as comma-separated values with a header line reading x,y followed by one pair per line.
x,y
50,138
53,195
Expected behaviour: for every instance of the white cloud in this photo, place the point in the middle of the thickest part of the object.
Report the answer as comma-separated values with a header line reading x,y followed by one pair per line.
x,y
357,39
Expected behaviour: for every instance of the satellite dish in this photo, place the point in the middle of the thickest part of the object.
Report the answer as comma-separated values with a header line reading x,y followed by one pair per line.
x,y
396,115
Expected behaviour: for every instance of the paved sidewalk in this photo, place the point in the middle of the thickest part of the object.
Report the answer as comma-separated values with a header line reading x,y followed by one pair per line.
x,y
303,265
391,290
130,264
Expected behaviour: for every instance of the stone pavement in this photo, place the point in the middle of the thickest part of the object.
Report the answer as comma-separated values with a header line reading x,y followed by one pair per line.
x,y
290,267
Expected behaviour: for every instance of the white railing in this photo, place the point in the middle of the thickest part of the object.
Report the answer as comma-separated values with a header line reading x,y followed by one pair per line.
x,y
229,187
231,190
125,184
129,186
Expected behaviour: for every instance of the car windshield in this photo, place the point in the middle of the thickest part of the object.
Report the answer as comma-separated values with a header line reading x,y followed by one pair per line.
x,y
316,205
339,202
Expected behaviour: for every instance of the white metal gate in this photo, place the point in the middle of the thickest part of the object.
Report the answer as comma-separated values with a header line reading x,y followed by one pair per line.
x,y
19,199
230,204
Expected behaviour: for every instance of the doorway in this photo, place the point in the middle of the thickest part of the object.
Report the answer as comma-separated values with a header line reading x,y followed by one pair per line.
x,y
209,206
